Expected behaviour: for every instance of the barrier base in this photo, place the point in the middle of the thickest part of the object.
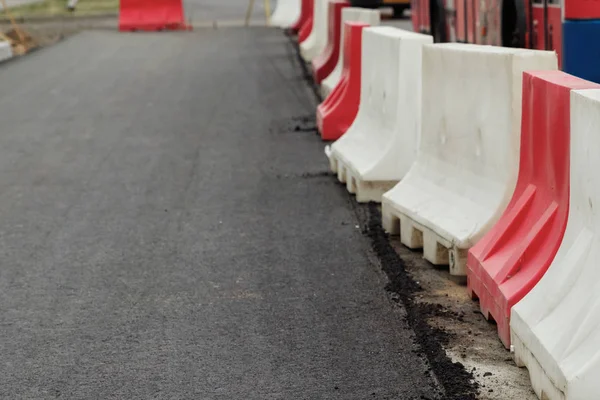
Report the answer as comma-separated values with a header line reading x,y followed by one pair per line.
x,y
541,383
493,305
331,125
365,191
154,27
413,235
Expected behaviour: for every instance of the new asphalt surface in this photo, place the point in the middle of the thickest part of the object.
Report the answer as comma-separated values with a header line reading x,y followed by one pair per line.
x,y
168,230
214,10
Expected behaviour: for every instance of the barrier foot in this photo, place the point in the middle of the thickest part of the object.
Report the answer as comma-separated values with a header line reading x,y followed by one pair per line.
x,y
333,163
541,383
390,223
365,191
436,250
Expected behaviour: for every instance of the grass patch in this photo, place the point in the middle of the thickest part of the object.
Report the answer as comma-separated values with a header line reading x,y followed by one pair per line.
x,y
51,8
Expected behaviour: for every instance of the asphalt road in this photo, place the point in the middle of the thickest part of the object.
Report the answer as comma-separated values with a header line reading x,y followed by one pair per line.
x,y
229,10
166,232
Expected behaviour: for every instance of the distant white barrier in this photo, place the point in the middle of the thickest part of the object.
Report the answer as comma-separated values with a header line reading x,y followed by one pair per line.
x,y
555,329
371,17
5,51
468,157
380,146
317,39
286,13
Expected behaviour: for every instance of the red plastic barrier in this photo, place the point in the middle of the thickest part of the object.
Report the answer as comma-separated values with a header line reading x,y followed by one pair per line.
x,y
325,62
305,30
305,14
151,15
415,15
512,257
581,9
337,112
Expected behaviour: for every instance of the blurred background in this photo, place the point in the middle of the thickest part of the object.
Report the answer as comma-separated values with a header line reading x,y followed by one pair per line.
x,y
28,24
197,10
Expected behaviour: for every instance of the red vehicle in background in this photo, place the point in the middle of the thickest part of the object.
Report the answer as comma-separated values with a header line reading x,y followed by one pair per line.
x,y
534,24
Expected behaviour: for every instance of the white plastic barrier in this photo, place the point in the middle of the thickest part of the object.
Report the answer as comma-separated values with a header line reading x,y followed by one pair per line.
x,y
317,39
371,17
5,51
555,329
286,13
380,146
468,157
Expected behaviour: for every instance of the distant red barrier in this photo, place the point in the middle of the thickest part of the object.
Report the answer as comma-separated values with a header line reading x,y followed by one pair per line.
x,y
325,62
151,15
512,257
305,14
337,112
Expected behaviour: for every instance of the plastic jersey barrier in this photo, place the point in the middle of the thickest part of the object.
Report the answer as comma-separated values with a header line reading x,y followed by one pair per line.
x,y
151,15
325,62
316,40
337,112
306,29
370,17
467,160
555,329
286,13
512,257
305,13
381,144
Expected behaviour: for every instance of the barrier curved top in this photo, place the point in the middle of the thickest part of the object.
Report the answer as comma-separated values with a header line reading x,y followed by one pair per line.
x,y
381,143
317,39
517,251
467,160
371,17
555,329
286,13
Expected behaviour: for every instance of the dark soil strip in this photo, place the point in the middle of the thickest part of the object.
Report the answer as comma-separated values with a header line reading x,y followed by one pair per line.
x,y
458,384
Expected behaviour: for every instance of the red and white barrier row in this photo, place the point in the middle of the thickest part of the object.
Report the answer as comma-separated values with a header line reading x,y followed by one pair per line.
x,y
484,157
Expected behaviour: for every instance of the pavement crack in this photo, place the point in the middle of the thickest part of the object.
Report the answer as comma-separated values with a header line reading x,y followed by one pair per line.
x,y
306,175
320,174
304,123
